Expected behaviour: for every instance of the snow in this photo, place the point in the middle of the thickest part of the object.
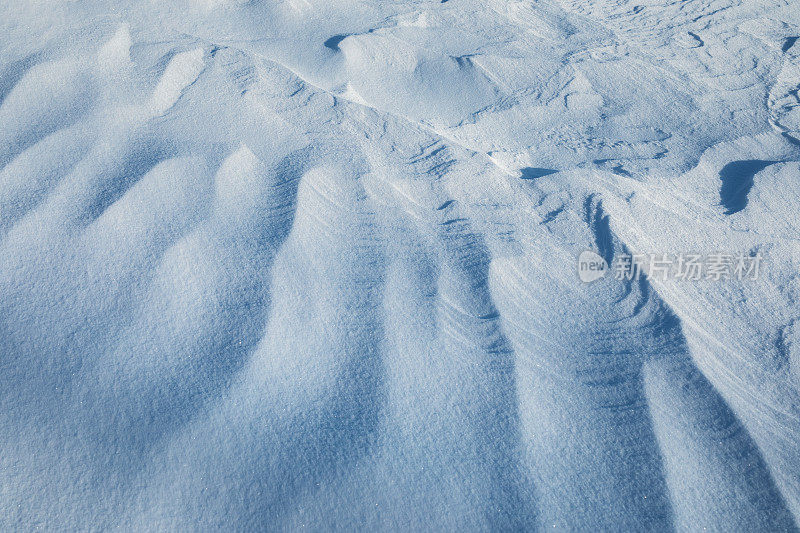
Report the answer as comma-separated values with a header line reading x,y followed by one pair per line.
x,y
302,264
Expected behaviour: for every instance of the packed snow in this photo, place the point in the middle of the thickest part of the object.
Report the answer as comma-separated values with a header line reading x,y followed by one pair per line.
x,y
273,265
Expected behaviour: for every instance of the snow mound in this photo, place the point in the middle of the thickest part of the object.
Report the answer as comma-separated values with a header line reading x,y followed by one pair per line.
x,y
285,265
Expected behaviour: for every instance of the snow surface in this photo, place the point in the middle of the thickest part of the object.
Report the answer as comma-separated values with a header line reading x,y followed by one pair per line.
x,y
302,263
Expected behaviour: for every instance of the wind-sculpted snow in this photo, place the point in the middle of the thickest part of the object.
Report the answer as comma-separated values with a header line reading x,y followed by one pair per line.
x,y
301,264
